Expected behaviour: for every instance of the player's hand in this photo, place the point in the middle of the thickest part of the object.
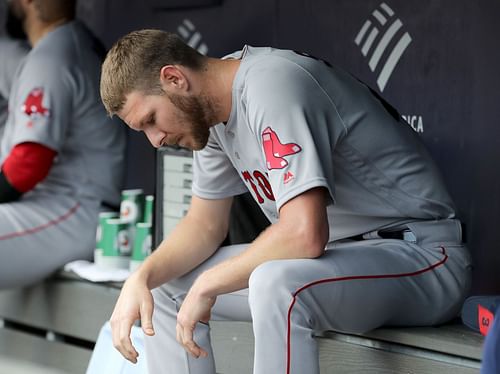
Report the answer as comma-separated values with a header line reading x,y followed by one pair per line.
x,y
195,308
135,302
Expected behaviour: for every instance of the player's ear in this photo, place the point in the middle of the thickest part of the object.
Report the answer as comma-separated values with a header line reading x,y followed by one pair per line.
x,y
173,79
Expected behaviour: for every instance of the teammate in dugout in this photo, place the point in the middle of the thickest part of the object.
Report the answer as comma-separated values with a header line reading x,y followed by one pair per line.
x,y
363,231
61,156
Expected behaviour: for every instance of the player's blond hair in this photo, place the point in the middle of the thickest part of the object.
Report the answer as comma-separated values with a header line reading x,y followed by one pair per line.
x,y
135,61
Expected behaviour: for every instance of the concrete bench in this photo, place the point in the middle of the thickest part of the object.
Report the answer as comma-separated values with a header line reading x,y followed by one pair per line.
x,y
55,324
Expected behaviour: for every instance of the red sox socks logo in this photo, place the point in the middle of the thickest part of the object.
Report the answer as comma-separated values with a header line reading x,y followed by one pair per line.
x,y
485,318
33,106
275,151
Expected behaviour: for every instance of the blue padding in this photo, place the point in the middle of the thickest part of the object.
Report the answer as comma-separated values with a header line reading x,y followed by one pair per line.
x,y
491,350
106,359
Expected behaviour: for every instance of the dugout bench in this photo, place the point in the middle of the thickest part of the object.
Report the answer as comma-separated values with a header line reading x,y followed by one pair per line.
x,y
56,323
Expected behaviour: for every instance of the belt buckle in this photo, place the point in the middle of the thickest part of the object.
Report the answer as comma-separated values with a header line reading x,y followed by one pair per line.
x,y
409,236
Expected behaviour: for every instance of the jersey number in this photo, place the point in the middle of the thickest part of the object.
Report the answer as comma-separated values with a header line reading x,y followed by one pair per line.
x,y
257,178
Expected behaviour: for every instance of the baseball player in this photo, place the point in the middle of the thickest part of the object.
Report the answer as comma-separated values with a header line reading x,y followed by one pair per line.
x,y
61,157
12,51
363,232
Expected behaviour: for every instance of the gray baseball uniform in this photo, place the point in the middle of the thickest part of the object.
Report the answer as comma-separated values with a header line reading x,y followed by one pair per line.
x,y
395,255
11,54
55,102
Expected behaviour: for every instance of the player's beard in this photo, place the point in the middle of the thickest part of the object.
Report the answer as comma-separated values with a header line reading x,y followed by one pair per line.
x,y
14,21
199,113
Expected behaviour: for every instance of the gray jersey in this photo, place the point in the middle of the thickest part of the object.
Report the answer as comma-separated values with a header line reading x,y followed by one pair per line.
x,y
55,101
12,53
321,129
297,124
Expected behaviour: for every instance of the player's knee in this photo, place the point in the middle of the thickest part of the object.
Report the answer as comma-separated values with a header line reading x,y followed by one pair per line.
x,y
269,283
260,277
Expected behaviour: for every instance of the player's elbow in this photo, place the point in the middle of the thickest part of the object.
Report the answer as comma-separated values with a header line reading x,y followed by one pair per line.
x,y
312,240
317,245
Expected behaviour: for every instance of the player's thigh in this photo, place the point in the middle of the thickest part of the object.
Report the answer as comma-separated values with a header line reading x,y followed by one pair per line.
x,y
38,235
358,286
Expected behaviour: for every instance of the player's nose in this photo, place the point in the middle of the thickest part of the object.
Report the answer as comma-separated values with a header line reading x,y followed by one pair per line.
x,y
154,136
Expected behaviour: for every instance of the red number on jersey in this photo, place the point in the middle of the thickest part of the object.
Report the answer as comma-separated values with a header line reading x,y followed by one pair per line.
x,y
263,185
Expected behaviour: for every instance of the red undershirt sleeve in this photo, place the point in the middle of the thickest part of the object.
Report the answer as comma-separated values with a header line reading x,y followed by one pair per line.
x,y
27,165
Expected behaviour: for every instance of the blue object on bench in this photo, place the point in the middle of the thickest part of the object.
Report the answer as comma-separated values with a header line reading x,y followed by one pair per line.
x,y
106,359
491,354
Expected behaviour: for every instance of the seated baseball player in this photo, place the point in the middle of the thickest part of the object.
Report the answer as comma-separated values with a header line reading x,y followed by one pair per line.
x,y
12,51
363,232
61,156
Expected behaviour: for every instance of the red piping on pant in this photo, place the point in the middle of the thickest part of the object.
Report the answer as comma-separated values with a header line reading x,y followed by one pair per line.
x,y
384,276
33,230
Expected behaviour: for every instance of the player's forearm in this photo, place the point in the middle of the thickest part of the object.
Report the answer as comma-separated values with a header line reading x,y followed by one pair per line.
x,y
276,243
301,232
186,247
25,166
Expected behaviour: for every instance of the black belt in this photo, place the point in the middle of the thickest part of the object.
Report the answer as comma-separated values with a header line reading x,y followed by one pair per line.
x,y
404,234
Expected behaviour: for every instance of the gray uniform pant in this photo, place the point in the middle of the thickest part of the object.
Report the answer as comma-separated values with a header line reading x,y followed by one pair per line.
x,y
354,287
39,234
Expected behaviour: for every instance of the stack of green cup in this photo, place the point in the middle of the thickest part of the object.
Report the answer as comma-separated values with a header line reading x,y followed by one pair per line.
x,y
143,234
132,209
124,240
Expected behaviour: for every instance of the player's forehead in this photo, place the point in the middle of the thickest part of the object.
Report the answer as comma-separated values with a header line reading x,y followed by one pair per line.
x,y
136,108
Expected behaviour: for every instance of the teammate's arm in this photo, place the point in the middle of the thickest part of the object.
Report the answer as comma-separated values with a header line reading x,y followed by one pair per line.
x,y
26,166
7,192
195,238
301,232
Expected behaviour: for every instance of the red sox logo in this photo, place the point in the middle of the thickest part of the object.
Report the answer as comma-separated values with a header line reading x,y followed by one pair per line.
x,y
33,106
275,151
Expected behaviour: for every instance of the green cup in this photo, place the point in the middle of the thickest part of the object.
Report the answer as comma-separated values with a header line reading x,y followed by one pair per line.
x,y
103,216
132,206
115,238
